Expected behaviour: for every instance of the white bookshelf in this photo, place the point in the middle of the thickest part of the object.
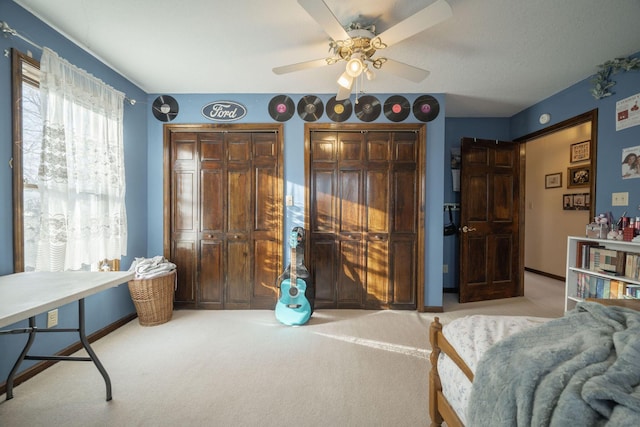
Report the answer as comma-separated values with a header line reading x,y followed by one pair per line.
x,y
571,283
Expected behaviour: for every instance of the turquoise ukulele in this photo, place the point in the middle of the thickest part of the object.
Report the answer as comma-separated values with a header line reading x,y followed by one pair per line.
x,y
293,308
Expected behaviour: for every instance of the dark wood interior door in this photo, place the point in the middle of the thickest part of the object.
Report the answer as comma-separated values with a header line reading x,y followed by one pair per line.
x,y
363,204
225,216
490,241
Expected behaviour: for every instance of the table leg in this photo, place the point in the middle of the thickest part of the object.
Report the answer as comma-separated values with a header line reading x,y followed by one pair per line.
x,y
27,346
87,347
32,330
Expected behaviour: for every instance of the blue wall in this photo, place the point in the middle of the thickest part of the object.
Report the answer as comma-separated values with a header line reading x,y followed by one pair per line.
x,y
113,304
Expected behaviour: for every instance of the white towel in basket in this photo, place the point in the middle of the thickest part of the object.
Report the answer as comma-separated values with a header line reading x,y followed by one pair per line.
x,y
147,268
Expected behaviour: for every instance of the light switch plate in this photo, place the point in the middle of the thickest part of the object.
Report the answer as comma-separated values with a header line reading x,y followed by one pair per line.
x,y
620,199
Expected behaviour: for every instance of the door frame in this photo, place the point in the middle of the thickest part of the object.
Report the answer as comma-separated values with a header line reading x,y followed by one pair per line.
x,y
587,117
420,129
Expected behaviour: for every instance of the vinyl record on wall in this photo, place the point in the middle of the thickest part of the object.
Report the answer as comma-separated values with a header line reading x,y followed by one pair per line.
x,y
368,108
281,108
310,108
397,108
339,111
426,108
165,108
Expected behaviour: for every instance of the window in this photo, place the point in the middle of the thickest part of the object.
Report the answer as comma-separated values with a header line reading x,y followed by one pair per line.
x,y
27,154
27,131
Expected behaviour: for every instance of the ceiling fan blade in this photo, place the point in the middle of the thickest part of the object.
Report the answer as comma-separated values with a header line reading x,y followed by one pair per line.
x,y
406,71
319,11
300,66
418,22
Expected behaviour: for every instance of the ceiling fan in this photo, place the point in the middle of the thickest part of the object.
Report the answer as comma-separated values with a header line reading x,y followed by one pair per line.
x,y
357,44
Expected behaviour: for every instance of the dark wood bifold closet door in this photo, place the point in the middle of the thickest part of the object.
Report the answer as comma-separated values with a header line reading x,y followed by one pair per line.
x,y
363,218
225,192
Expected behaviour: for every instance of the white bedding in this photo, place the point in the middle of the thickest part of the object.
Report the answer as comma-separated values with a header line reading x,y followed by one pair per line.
x,y
471,336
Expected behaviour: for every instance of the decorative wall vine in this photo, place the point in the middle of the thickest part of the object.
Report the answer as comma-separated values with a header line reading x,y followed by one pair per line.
x,y
602,82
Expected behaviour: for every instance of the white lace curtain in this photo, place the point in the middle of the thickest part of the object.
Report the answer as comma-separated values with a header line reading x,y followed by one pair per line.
x,y
81,177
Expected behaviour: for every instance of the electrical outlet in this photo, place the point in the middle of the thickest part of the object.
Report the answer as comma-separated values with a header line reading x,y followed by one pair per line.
x,y
289,200
52,318
620,199
445,268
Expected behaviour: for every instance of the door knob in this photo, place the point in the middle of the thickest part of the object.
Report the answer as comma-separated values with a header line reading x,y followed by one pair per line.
x,y
466,229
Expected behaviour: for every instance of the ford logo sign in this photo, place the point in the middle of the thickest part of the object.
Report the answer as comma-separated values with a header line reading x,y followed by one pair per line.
x,y
224,111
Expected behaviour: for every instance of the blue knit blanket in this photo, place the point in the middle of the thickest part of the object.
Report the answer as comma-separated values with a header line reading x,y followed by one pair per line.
x,y
582,369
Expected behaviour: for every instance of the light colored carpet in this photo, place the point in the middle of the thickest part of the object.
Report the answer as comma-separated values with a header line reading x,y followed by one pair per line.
x,y
243,368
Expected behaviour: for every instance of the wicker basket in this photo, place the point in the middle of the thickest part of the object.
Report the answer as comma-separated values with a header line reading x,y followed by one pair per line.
x,y
153,298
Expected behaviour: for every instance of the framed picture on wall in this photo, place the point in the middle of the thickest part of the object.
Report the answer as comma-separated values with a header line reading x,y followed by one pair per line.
x,y
553,180
579,201
580,151
578,176
576,202
567,202
630,165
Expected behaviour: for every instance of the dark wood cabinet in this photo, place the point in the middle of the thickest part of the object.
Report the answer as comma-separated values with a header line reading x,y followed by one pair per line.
x,y
225,198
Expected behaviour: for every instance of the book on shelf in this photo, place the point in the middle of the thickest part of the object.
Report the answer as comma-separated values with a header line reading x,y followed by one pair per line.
x,y
600,287
632,266
632,291
606,290
607,260
582,253
617,289
593,289
580,250
582,290
590,286
595,256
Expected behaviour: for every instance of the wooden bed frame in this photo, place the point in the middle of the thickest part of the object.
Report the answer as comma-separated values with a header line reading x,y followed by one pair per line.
x,y
439,408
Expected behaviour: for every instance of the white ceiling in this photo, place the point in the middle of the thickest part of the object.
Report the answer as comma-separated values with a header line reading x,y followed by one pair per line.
x,y
493,58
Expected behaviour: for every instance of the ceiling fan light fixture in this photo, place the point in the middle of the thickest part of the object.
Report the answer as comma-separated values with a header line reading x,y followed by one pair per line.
x,y
357,45
370,74
345,80
355,66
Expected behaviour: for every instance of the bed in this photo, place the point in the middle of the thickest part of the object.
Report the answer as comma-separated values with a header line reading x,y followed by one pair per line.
x,y
580,369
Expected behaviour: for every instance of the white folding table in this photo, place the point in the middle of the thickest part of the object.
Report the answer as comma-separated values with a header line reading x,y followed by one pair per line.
x,y
24,295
